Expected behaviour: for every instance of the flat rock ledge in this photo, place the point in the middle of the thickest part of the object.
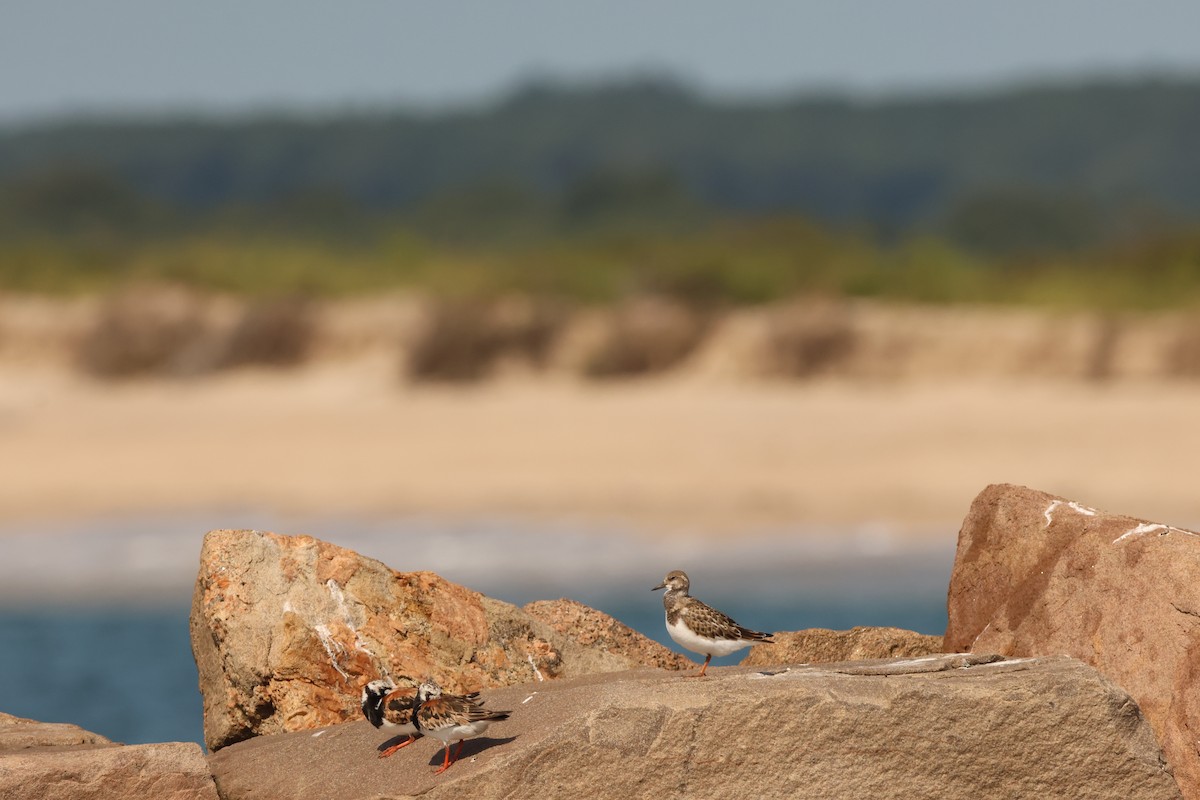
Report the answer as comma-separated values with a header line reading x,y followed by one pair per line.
x,y
952,725
59,761
165,771
18,733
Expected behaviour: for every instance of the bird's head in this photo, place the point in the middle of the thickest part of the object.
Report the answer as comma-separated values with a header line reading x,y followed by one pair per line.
x,y
676,581
376,689
428,690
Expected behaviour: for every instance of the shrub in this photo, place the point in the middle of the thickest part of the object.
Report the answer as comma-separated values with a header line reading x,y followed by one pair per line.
x,y
274,332
146,331
1183,355
646,335
464,339
810,338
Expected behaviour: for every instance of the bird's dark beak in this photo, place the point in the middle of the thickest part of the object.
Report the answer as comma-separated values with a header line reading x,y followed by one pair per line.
x,y
662,585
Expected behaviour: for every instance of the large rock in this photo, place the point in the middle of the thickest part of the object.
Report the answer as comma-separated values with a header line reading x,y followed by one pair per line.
x,y
171,771
595,629
18,733
1037,574
287,629
818,645
942,726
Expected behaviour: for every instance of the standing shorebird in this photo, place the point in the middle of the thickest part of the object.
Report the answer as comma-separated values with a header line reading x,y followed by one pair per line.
x,y
700,628
386,705
451,718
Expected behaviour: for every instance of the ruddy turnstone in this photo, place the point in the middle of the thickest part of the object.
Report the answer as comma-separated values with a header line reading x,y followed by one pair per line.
x,y
451,718
700,628
386,705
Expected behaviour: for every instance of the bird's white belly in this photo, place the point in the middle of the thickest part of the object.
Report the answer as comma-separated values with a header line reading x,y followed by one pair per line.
x,y
699,644
458,732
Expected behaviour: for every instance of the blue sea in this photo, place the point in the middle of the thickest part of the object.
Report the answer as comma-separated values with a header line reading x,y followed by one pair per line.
x,y
94,615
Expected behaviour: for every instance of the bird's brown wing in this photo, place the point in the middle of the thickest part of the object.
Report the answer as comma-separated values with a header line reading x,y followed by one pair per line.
x,y
449,710
706,621
398,705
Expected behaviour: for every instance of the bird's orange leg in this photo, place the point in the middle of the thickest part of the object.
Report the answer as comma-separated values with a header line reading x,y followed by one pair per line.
x,y
700,674
395,747
448,761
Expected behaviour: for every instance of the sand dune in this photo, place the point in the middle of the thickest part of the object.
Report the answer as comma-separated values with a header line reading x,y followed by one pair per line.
x,y
670,453
808,414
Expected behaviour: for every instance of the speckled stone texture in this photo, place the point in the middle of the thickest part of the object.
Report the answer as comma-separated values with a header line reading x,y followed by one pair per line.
x,y
937,727
818,645
287,629
592,628
18,733
168,771
1037,574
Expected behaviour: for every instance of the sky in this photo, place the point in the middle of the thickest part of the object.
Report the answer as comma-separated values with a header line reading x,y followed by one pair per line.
x,y
233,56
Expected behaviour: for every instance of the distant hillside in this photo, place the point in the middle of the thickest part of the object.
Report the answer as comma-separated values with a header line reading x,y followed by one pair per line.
x,y
1074,157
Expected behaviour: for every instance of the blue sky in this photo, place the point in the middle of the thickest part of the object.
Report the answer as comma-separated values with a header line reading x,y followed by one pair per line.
x,y
226,56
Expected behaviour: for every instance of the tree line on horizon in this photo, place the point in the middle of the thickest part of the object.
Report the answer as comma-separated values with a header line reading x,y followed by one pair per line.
x,y
1097,171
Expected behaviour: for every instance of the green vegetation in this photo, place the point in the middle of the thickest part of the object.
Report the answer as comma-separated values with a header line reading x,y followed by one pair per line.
x,y
1084,196
729,262
1107,149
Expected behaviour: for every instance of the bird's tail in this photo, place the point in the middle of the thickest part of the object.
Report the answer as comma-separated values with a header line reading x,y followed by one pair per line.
x,y
756,636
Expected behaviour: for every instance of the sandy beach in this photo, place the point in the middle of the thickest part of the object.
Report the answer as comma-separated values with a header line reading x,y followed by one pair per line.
x,y
666,454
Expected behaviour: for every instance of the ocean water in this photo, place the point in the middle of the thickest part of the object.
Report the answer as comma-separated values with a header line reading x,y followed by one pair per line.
x,y
94,615
126,673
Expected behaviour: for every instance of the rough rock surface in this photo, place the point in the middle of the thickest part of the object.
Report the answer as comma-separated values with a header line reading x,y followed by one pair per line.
x,y
287,629
591,628
933,727
1037,574
171,771
18,733
818,645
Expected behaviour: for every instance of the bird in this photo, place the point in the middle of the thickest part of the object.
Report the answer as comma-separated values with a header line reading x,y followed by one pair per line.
x,y
451,718
386,705
701,628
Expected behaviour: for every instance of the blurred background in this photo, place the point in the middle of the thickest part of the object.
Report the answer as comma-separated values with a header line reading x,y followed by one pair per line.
x,y
554,298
